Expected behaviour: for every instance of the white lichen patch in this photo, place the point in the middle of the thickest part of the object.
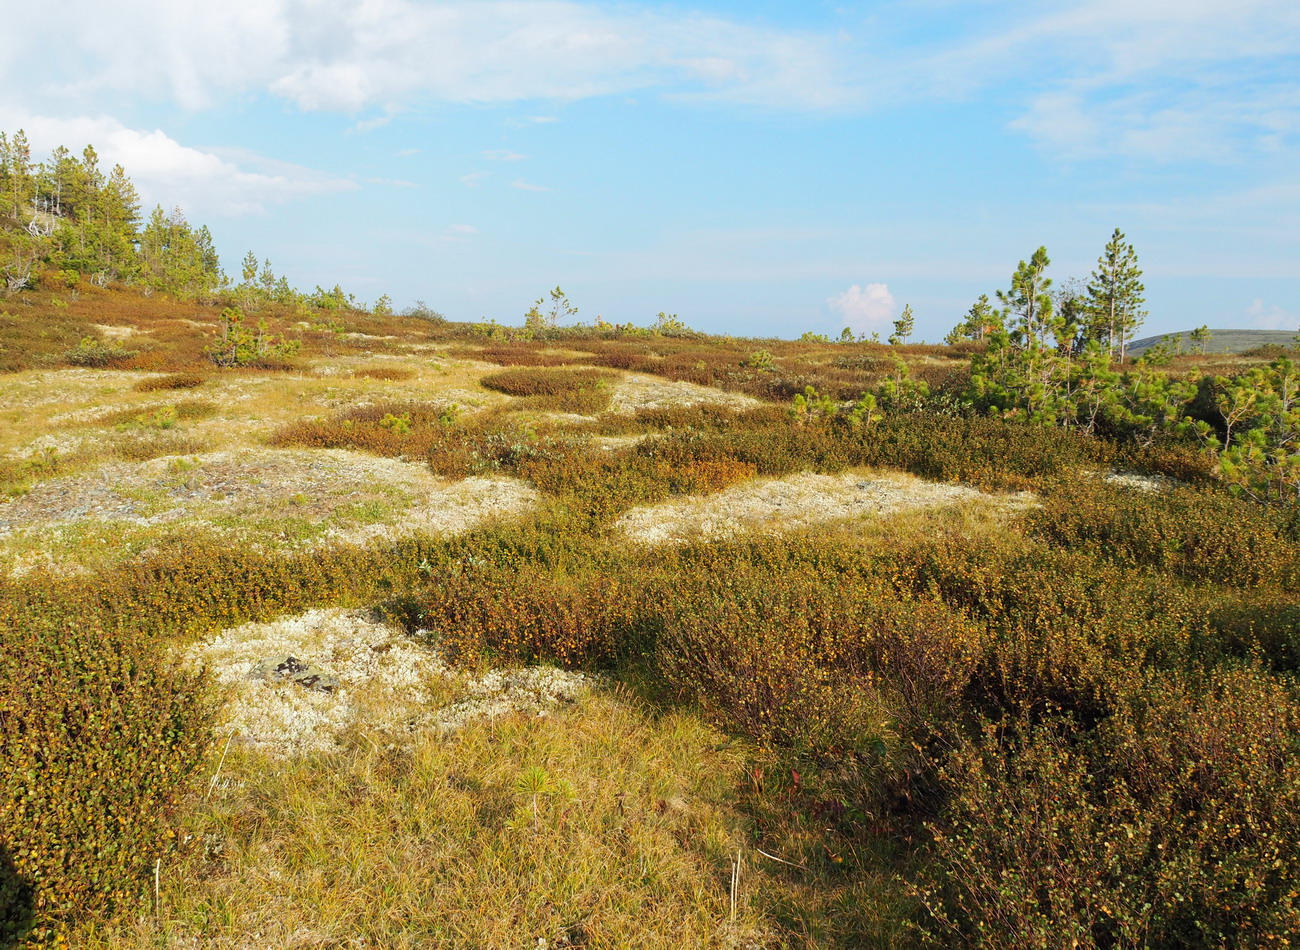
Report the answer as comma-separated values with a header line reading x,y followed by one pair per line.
x,y
533,689
386,679
799,502
382,680
113,333
633,392
308,484
269,498
38,389
1150,483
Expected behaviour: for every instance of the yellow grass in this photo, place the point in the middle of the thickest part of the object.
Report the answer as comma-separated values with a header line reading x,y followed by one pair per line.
x,y
598,826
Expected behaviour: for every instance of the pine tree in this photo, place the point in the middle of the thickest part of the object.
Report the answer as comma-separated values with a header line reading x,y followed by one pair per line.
x,y
1115,294
981,320
21,185
904,326
1029,300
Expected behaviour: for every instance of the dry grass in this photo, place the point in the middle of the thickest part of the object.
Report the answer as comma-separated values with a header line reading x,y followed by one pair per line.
x,y
600,825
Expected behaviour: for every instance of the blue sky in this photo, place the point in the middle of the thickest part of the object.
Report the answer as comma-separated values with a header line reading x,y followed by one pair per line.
x,y
758,168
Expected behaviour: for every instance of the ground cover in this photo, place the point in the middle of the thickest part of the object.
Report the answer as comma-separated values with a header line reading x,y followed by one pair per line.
x,y
380,646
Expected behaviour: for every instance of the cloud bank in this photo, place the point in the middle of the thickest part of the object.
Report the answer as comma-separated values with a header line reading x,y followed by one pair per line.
x,y
224,183
864,308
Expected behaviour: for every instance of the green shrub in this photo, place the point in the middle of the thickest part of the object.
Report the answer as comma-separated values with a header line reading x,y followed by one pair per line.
x,y
92,353
238,344
1199,534
98,741
1176,823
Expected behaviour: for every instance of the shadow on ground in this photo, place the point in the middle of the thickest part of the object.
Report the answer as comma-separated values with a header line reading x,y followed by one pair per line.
x,y
16,909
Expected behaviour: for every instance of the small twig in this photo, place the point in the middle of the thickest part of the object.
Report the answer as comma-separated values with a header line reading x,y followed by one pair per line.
x,y
773,857
213,783
157,868
735,887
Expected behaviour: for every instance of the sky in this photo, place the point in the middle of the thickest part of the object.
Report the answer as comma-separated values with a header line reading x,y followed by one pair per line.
x,y
759,168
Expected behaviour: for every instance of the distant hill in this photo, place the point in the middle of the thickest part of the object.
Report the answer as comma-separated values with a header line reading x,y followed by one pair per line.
x,y
1221,341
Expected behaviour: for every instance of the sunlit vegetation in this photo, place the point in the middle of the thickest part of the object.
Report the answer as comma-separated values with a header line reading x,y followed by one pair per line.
x,y
1065,714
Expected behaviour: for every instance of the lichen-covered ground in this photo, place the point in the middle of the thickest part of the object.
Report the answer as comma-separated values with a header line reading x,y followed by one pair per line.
x,y
380,678
805,501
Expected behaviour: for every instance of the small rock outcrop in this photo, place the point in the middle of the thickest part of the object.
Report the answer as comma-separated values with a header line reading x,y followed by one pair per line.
x,y
306,675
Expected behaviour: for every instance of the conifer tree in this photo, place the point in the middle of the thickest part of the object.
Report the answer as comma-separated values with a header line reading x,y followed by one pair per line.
x,y
1028,300
1115,294
981,320
904,326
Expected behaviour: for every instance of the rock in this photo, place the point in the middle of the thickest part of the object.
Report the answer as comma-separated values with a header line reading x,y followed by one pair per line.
x,y
291,668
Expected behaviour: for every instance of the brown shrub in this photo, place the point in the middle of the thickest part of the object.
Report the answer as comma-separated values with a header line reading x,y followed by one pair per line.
x,y
545,382
392,373
170,381
517,354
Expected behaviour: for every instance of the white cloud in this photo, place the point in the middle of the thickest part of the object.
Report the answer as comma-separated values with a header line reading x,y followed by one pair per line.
x,y
526,186
221,182
1161,80
463,229
503,155
864,308
1271,316
348,56
472,179
407,152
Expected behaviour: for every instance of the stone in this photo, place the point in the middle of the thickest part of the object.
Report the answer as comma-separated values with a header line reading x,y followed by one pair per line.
x,y
306,675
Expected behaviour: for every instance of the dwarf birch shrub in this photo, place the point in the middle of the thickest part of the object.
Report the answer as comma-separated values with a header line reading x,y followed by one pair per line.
x,y
98,743
1196,534
1175,823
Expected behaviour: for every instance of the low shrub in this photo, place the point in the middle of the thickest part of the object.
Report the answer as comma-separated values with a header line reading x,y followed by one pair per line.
x,y
1176,823
527,615
426,429
1199,534
98,741
518,354
95,354
387,373
544,382
169,381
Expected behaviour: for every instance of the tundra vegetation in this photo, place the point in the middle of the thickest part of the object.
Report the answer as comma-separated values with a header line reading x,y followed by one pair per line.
x,y
1057,709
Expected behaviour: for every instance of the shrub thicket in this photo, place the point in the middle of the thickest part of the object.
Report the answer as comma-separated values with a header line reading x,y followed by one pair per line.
x,y
97,744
